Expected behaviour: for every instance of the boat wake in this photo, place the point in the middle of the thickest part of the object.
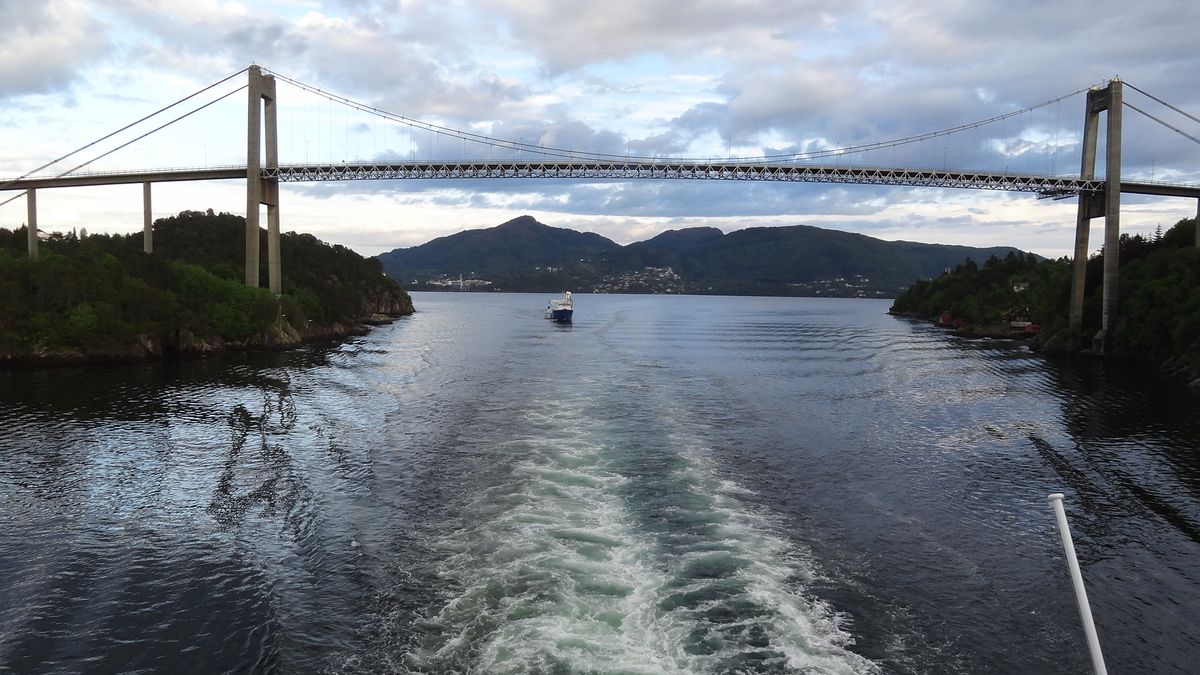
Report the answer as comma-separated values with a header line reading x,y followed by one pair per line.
x,y
567,565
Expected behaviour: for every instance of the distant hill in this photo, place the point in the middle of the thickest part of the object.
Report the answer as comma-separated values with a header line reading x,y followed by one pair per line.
x,y
525,255
520,243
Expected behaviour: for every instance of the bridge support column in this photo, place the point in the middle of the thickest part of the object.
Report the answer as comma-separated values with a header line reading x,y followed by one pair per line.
x,y
1198,223
147,224
258,190
271,192
31,228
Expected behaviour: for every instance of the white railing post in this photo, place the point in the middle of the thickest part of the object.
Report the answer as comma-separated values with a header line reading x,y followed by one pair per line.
x,y
1085,610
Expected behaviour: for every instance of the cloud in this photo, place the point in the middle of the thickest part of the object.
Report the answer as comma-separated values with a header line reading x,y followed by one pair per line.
x,y
44,45
648,78
568,35
393,57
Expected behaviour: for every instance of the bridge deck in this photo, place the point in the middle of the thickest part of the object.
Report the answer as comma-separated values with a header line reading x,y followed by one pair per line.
x,y
1050,186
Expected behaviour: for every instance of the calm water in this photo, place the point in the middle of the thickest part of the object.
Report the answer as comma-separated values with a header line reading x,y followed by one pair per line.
x,y
671,484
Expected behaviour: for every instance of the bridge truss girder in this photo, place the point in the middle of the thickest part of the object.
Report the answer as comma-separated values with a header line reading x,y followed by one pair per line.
x,y
1047,186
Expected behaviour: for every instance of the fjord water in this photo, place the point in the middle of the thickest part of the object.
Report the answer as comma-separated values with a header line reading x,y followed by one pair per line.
x,y
670,484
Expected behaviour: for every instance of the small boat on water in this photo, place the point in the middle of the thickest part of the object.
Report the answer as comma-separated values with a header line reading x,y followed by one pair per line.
x,y
561,309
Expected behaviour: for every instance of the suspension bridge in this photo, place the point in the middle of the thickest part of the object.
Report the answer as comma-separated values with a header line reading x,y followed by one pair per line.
x,y
263,171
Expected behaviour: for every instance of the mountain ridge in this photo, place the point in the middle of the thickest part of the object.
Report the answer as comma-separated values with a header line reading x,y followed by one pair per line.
x,y
523,254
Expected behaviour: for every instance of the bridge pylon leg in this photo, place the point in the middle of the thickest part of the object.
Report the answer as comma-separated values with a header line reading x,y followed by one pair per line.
x,y
1112,218
261,108
273,266
253,173
1083,224
1088,209
270,190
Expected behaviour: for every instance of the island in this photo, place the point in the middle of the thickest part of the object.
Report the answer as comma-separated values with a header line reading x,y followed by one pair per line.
x,y
99,297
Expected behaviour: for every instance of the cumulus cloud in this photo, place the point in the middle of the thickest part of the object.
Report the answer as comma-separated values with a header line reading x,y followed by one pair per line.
x,y
568,35
392,55
44,45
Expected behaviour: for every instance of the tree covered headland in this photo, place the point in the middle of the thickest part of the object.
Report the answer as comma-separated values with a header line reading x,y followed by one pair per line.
x,y
96,297
1158,307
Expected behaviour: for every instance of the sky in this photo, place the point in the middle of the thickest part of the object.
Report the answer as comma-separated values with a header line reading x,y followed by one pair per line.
x,y
656,78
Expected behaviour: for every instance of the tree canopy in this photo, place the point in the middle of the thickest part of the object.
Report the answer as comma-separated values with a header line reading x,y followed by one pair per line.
x,y
99,293
1158,306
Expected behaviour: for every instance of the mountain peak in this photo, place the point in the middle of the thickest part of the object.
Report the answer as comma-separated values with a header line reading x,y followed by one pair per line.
x,y
683,237
521,222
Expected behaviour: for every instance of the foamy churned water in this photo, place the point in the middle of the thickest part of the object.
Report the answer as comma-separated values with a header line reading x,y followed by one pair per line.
x,y
555,569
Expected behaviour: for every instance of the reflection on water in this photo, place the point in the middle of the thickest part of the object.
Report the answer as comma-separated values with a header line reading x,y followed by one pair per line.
x,y
669,484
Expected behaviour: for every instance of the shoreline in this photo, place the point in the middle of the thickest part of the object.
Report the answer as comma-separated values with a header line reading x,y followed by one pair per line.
x,y
186,346
1038,343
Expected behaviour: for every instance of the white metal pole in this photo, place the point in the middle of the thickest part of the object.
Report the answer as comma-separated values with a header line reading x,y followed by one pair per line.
x,y
1085,610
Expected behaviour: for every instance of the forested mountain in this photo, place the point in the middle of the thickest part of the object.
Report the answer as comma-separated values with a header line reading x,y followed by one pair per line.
x,y
517,244
101,297
525,255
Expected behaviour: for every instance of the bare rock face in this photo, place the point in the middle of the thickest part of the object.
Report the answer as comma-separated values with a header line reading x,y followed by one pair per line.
x,y
187,342
150,345
333,330
281,336
42,351
387,303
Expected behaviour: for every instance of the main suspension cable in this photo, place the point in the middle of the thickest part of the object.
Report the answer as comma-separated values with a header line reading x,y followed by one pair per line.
x,y
1176,109
80,149
573,154
1165,124
131,142
154,130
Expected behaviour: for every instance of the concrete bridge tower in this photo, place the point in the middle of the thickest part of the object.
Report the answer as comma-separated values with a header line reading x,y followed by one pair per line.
x,y
1094,205
261,113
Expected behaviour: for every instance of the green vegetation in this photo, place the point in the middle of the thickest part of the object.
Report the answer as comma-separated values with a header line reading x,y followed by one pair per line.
x,y
1159,305
100,296
985,298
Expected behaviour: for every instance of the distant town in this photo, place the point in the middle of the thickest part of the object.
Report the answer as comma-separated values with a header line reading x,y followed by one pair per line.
x,y
653,280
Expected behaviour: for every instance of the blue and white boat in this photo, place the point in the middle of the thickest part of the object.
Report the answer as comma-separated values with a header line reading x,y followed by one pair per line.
x,y
561,309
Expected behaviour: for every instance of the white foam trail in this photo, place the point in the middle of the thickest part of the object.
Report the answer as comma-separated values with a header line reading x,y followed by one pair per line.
x,y
807,632
554,571
558,576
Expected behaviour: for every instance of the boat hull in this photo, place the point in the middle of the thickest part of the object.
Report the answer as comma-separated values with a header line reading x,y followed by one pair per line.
x,y
560,309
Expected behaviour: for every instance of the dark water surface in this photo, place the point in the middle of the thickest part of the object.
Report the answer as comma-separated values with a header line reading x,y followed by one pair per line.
x,y
671,484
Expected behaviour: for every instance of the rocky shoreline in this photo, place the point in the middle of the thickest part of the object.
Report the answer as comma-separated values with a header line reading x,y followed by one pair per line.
x,y
1058,346
1177,367
184,344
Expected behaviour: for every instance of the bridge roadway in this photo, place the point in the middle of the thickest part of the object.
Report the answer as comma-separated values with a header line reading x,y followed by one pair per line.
x,y
1046,186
